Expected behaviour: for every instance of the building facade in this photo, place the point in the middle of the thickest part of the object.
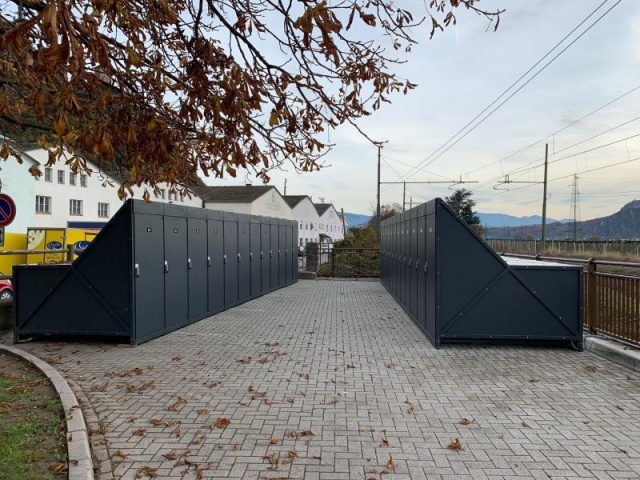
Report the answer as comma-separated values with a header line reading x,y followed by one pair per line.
x,y
262,200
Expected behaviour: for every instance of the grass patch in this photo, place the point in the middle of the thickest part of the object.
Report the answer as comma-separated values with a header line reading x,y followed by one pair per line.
x,y
32,424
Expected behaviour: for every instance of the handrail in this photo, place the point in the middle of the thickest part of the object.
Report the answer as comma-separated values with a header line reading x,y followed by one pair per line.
x,y
611,263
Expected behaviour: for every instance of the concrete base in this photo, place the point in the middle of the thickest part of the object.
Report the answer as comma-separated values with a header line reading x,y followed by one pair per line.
x,y
614,351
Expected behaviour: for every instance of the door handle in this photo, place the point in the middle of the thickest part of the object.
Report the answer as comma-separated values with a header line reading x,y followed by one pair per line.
x,y
189,263
239,258
208,261
270,253
417,265
279,253
166,267
261,255
426,268
251,256
224,258
136,269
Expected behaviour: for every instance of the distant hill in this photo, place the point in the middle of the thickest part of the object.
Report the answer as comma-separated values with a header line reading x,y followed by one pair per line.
x,y
502,220
624,224
356,219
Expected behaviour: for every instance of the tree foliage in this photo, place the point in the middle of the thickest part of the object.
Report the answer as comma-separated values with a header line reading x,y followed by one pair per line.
x,y
161,88
461,202
386,211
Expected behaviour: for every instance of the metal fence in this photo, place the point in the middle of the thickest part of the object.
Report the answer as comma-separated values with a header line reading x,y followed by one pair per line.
x,y
569,247
612,300
341,262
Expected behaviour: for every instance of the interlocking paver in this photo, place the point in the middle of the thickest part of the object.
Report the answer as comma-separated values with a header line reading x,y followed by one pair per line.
x,y
331,380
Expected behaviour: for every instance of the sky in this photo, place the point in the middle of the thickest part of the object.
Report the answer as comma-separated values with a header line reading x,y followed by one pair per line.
x,y
459,73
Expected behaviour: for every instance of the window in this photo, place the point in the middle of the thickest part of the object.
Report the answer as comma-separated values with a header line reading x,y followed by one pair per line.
x,y
300,225
83,180
301,242
47,174
103,210
61,176
72,178
182,197
163,193
43,204
75,207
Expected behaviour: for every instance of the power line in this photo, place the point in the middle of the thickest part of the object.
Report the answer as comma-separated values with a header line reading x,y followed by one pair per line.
x,y
558,131
435,155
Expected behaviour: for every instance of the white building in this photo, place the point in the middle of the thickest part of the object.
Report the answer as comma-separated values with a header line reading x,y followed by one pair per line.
x,y
60,198
330,223
262,200
304,212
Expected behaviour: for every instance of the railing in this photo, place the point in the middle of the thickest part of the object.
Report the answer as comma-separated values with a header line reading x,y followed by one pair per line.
x,y
611,300
348,262
579,247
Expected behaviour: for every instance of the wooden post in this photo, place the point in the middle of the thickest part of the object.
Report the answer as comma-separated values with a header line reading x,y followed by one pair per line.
x,y
70,252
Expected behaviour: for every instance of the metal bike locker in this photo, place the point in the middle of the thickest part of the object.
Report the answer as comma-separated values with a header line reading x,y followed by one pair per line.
x,y
273,252
197,263
422,266
231,294
282,246
474,295
244,264
265,258
215,262
255,265
176,273
288,253
413,260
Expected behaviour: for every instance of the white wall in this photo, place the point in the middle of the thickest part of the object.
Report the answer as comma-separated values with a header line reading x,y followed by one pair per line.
x,y
306,215
331,224
23,188
19,184
229,207
271,204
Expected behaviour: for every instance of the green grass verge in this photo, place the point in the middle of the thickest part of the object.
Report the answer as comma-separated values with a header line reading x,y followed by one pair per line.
x,y
32,426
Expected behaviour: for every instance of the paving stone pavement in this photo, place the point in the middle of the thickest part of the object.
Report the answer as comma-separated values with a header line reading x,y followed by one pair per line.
x,y
331,380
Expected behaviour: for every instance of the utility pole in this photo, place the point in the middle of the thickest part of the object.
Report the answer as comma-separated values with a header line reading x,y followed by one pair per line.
x,y
285,186
379,145
575,206
404,194
344,229
544,195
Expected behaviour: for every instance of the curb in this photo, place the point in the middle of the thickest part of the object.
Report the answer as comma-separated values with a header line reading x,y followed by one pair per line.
x,y
80,463
614,351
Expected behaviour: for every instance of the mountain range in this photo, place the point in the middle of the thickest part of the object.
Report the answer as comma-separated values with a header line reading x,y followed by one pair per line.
x,y
624,224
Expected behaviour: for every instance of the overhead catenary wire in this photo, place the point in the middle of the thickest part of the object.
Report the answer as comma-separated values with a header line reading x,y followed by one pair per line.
x,y
448,145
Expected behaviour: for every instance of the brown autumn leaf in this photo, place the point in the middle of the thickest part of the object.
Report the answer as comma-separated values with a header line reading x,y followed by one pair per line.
x,y
222,422
172,455
391,464
290,400
237,446
534,380
300,433
273,441
212,384
272,344
141,432
147,472
591,369
273,459
263,360
202,411
525,424
466,421
384,442
455,445
58,467
350,365
304,375
177,358
121,454
100,387
244,360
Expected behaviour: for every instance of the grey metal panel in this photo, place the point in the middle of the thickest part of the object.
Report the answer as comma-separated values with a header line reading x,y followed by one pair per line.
x,y
196,212
244,265
176,274
230,261
422,271
431,284
282,264
413,264
294,250
254,257
149,276
171,210
214,215
273,254
265,260
140,206
288,254
197,266
215,260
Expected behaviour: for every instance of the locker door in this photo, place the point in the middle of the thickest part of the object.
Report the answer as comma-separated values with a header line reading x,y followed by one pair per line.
x,y
176,276
294,251
230,263
413,272
265,261
254,260
431,300
149,276
288,255
215,258
244,265
273,255
197,265
422,274
282,263
403,263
